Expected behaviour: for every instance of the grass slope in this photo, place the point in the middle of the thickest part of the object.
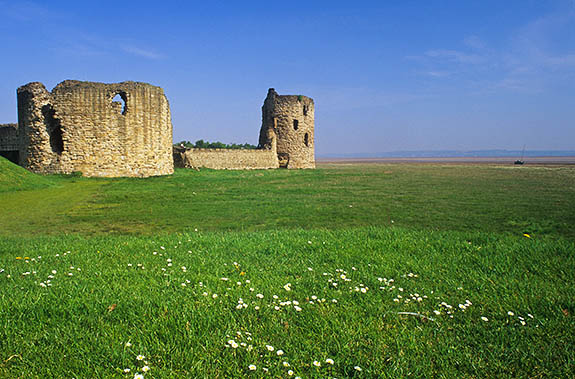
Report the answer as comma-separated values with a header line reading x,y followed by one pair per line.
x,y
189,304
440,197
16,178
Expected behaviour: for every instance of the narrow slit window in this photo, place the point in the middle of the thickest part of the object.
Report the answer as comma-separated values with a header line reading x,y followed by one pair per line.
x,y
306,139
295,124
305,110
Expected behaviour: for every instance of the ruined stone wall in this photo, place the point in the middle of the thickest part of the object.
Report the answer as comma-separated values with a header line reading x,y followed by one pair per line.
x,y
226,159
78,127
9,140
291,119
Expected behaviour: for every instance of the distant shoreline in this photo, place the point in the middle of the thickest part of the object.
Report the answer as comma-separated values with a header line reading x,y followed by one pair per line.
x,y
543,160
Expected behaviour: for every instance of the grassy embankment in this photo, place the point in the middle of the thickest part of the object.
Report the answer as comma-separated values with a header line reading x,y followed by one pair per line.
x,y
487,300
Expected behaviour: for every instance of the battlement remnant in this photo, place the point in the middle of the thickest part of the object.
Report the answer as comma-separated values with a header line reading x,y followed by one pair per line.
x,y
291,119
119,129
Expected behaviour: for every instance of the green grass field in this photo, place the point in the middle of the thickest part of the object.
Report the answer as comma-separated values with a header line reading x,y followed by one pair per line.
x,y
344,271
537,200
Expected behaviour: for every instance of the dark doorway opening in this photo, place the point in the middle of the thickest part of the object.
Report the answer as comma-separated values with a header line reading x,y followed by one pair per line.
x,y
54,129
283,159
12,155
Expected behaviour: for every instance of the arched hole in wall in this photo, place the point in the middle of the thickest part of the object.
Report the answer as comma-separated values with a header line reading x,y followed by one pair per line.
x,y
122,99
305,108
53,128
306,139
295,124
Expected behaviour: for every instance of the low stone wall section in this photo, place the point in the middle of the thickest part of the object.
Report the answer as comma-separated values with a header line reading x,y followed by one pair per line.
x,y
9,140
226,159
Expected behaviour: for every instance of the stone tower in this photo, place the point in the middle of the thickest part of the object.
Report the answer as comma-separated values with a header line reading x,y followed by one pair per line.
x,y
291,119
98,129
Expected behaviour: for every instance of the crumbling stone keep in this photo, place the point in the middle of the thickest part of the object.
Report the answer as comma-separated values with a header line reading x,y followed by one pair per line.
x,y
79,127
291,119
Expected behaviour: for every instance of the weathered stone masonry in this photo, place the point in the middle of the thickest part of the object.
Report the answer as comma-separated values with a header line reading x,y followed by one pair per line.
x,y
9,142
286,139
228,159
78,127
291,119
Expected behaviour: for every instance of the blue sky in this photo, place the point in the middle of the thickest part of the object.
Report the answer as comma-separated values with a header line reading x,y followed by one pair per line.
x,y
385,75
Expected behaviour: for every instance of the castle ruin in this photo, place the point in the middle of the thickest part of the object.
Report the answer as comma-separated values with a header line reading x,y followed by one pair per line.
x,y
290,119
80,127
286,140
125,129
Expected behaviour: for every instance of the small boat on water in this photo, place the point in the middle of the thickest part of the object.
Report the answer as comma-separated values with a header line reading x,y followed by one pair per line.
x,y
521,161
